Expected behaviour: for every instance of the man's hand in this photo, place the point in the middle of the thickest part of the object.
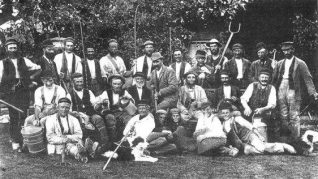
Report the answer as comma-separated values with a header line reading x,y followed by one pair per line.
x,y
248,111
316,96
202,76
36,122
234,98
156,95
259,110
217,67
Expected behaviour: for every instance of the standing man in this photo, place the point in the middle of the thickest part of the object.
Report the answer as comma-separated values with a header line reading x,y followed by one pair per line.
x,y
139,91
16,81
214,59
263,62
67,63
291,75
238,67
144,63
165,82
180,67
46,61
204,71
92,71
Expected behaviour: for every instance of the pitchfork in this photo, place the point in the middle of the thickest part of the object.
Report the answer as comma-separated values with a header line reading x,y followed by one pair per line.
x,y
228,43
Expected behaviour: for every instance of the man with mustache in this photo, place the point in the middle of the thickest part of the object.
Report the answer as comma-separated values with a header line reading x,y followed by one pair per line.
x,y
144,63
263,62
15,84
180,67
259,97
92,72
139,91
47,60
291,77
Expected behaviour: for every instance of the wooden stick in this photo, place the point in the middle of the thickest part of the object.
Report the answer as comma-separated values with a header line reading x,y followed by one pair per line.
x,y
11,106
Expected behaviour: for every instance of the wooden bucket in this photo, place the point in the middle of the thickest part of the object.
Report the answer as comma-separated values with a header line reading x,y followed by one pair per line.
x,y
128,106
33,137
261,127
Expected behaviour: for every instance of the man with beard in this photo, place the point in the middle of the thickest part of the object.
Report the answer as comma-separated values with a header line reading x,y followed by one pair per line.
x,y
191,96
259,97
83,102
112,64
67,63
180,67
46,61
45,99
16,81
144,63
263,62
291,76
226,91
214,59
139,91
165,82
238,67
117,99
204,71
92,71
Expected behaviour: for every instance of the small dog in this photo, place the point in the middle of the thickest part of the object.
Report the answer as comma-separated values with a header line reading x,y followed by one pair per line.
x,y
135,152
305,144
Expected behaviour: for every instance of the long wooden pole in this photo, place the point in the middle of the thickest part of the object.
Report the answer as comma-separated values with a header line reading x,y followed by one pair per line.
x,y
11,106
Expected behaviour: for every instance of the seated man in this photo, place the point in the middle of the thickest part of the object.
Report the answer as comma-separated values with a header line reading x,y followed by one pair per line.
x,y
204,71
64,133
165,82
226,91
139,91
141,124
118,113
259,97
83,102
242,135
45,100
191,95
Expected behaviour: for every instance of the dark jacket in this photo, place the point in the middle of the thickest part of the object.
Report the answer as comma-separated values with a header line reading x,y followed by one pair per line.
x,y
219,95
45,65
231,67
146,94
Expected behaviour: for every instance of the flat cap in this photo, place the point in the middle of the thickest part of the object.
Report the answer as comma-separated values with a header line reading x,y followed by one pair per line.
x,y
148,42
161,111
116,76
213,41
47,43
174,111
69,39
237,46
64,100
200,53
140,74
11,40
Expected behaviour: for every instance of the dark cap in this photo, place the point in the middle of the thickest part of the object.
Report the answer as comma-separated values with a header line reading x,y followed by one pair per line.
x,y
237,46
225,105
140,74
190,72
46,74
260,46
64,100
69,39
214,41
148,42
200,53
76,75
143,102
11,40
116,76
89,44
112,41
287,44
205,105
47,43
224,72
178,49
174,111
265,71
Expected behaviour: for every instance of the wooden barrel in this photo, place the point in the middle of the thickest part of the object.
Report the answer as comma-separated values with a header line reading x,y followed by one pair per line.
x,y
33,137
128,106
261,127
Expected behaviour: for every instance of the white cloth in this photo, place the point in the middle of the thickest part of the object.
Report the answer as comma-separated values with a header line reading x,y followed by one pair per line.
x,y
239,65
288,63
209,126
227,91
249,91
140,128
104,97
178,68
91,67
139,64
139,92
107,66
1,69
48,95
158,72
240,120
58,59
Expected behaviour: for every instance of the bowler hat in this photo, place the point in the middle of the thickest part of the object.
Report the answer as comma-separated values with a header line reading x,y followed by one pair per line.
x,y
116,76
140,74
213,41
156,56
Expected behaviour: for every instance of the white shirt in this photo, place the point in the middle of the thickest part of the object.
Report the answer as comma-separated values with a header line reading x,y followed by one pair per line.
x,y
48,95
227,91
139,92
211,125
239,65
158,72
91,67
139,64
178,68
107,66
142,128
249,91
58,59
30,65
288,63
240,120
104,97
1,70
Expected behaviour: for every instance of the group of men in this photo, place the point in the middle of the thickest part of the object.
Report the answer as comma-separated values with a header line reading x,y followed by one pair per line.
x,y
85,105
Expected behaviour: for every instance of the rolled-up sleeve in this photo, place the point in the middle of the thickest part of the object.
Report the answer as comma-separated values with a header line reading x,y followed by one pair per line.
x,y
272,98
31,66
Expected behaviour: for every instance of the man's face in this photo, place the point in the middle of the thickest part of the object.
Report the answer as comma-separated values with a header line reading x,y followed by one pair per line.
x,y
149,50
48,82
140,81
49,52
113,48
157,64
63,109
263,79
143,110
78,83
214,49
176,117
288,51
225,114
191,79
69,46
161,118
207,111
262,54
225,79
90,53
117,85
177,56
238,53
12,50
200,60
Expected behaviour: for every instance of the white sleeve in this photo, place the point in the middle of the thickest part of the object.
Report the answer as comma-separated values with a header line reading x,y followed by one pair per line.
x,y
102,97
102,65
149,126
187,68
31,65
1,70
78,68
248,93
92,97
58,62
38,98
122,64
272,98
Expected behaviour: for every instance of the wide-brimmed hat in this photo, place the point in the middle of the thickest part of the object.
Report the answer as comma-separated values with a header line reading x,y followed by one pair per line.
x,y
148,42
156,56
214,41
116,76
